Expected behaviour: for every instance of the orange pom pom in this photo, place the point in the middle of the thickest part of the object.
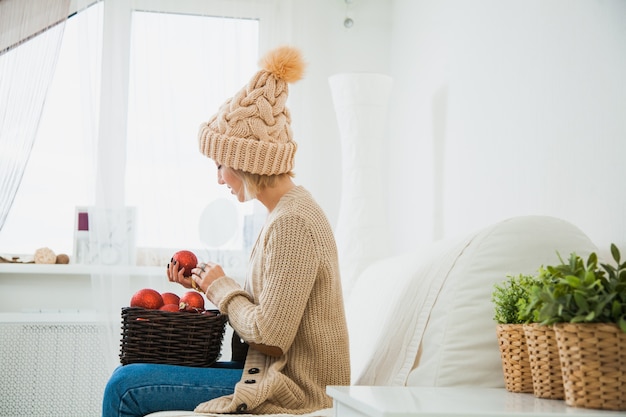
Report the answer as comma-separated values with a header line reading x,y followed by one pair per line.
x,y
285,63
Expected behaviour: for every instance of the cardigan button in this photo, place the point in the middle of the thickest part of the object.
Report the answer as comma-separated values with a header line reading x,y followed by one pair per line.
x,y
250,381
242,407
254,371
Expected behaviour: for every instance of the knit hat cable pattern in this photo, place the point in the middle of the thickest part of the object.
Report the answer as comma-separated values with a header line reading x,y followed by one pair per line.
x,y
251,131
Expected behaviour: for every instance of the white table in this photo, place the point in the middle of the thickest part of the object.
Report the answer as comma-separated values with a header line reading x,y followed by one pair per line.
x,y
364,401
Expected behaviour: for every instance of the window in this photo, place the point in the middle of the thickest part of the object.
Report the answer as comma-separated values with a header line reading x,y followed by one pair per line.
x,y
182,68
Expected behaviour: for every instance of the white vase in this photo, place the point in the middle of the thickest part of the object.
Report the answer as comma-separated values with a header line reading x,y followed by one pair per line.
x,y
360,101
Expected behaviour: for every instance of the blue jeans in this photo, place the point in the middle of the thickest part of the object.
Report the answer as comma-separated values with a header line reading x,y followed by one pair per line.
x,y
138,389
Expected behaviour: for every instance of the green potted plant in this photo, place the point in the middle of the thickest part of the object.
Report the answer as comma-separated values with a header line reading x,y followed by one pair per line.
x,y
510,298
584,292
585,301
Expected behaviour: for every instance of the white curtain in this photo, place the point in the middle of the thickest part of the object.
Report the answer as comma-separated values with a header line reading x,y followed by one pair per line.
x,y
111,246
30,37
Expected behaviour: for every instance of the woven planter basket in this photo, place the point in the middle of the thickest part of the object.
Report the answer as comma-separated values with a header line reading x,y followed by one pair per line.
x,y
593,362
545,366
174,338
514,355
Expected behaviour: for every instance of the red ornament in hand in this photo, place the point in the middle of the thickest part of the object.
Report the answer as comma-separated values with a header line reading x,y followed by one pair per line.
x,y
185,259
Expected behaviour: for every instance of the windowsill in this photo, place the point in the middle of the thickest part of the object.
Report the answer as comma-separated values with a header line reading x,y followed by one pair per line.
x,y
80,269
235,269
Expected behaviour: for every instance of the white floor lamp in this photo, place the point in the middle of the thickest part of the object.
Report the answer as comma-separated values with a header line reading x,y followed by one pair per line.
x,y
360,101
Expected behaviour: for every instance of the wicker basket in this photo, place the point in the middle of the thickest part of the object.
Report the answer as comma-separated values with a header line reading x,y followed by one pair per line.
x,y
174,338
514,355
593,362
543,354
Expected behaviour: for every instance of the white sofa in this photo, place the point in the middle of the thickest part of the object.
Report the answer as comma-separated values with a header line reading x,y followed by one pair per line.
x,y
425,317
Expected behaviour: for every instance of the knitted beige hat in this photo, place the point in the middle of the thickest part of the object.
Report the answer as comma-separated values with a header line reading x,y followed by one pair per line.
x,y
251,132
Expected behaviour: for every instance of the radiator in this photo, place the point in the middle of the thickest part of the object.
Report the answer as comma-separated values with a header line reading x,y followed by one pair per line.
x,y
51,367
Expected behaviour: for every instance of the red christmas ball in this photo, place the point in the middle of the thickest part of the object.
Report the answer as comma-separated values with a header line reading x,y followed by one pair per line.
x,y
185,259
147,298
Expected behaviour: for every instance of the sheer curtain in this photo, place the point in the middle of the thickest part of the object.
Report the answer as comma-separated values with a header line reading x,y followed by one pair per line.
x,y
109,223
30,37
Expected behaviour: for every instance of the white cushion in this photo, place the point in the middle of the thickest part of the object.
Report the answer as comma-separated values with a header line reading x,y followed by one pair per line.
x,y
426,317
459,345
388,309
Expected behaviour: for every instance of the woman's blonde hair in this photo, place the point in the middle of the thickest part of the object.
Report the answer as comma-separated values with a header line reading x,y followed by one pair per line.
x,y
255,183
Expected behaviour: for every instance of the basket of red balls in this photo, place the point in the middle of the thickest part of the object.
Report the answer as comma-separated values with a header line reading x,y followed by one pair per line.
x,y
169,329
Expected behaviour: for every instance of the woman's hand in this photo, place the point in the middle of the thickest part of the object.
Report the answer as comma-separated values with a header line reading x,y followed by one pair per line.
x,y
174,274
204,275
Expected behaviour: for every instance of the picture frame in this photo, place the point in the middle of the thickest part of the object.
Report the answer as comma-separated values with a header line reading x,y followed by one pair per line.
x,y
105,236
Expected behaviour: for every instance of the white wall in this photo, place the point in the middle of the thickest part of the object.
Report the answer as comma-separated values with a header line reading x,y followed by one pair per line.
x,y
499,108
505,108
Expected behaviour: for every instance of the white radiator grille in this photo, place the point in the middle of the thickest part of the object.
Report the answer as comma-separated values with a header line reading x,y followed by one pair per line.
x,y
52,369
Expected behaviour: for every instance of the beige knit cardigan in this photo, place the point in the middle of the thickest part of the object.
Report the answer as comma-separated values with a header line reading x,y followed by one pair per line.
x,y
293,301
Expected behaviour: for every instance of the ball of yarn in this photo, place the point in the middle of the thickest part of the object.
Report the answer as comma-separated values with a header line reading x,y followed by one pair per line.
x,y
45,256
63,259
